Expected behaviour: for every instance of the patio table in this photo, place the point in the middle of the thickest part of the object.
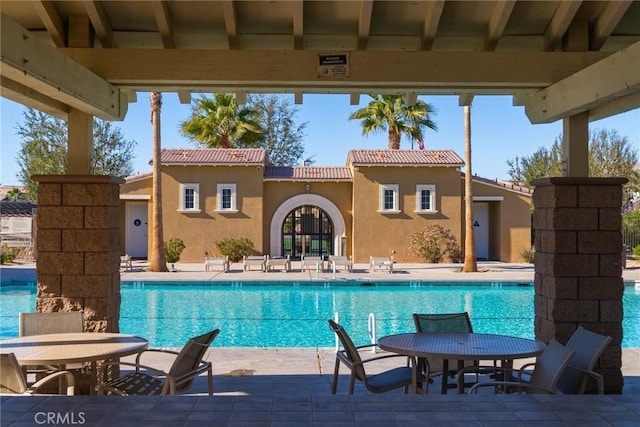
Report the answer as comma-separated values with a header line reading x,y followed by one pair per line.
x,y
77,347
460,346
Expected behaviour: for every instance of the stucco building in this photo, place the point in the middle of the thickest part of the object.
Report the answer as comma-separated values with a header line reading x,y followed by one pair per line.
x,y
368,207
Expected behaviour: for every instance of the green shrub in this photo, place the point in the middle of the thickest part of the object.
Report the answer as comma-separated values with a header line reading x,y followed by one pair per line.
x,y
172,250
8,255
235,248
528,254
636,252
435,243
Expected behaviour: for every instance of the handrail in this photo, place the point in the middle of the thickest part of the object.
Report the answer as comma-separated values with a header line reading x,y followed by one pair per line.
x,y
336,317
371,326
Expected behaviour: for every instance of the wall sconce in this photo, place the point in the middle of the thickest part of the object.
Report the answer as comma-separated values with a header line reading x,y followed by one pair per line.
x,y
307,188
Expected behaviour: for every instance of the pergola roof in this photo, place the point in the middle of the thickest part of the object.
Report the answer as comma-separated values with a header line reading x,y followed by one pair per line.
x,y
558,58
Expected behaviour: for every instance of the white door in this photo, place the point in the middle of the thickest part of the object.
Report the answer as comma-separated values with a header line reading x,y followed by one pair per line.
x,y
137,229
481,229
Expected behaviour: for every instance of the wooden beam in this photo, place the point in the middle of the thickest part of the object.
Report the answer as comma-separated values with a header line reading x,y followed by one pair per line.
x,y
559,23
30,61
298,24
100,22
465,99
184,96
590,88
617,106
52,20
231,23
297,98
431,21
163,21
354,98
607,21
263,70
410,98
497,23
29,97
364,23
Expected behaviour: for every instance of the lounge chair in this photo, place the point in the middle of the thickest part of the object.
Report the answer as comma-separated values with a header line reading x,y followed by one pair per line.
x,y
377,383
253,260
211,263
444,322
125,262
588,347
187,365
312,262
336,262
14,381
547,370
380,263
284,262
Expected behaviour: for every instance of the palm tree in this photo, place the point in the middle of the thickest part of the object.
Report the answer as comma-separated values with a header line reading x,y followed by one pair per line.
x,y
391,113
14,195
470,263
157,261
220,123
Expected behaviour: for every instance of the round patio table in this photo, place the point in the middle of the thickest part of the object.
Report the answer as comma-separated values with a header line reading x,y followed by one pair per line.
x,y
76,347
460,346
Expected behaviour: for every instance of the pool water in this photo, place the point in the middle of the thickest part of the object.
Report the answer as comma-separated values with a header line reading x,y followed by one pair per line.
x,y
295,314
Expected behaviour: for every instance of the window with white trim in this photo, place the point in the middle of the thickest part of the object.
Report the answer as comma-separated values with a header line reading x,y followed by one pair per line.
x,y
189,197
389,198
226,197
426,198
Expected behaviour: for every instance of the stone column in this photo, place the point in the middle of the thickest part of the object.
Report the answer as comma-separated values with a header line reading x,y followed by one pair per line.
x,y
78,247
578,269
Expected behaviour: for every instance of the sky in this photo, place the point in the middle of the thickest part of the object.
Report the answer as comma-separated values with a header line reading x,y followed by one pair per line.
x,y
499,131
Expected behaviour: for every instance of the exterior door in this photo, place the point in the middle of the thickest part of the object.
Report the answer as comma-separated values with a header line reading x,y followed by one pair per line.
x,y
481,229
137,230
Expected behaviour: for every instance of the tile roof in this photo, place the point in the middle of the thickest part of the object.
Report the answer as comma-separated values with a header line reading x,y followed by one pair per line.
x,y
404,157
213,156
308,173
501,184
20,208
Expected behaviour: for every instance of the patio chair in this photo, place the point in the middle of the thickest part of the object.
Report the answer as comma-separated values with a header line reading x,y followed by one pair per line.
x,y
380,263
377,383
588,347
547,370
210,263
187,365
444,322
14,381
336,262
253,260
125,263
283,261
311,262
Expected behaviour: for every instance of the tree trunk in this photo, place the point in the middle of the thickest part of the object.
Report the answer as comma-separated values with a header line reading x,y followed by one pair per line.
x,y
470,263
157,260
394,140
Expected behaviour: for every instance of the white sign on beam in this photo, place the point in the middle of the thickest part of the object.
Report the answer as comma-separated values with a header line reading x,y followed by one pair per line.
x,y
334,65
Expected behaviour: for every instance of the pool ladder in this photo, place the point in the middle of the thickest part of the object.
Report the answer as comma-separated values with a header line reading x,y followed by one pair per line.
x,y
371,327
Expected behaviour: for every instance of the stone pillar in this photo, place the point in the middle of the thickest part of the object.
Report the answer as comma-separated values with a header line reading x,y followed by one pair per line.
x,y
578,271
78,247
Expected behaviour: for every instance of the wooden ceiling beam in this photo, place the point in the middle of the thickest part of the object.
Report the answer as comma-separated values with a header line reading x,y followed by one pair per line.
x,y
52,20
231,23
607,21
497,23
364,23
431,21
100,23
163,21
559,24
298,24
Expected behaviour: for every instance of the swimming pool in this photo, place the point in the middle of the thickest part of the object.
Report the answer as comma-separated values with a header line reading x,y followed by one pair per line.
x,y
257,314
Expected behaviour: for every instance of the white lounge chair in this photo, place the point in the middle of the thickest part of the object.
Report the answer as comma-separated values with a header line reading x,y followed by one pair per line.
x,y
341,261
125,263
210,263
284,262
251,260
381,263
312,262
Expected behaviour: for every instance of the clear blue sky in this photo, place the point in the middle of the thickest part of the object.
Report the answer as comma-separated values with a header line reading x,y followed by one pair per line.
x,y
499,131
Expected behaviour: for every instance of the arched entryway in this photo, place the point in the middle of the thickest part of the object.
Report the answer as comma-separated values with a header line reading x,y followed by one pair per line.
x,y
306,223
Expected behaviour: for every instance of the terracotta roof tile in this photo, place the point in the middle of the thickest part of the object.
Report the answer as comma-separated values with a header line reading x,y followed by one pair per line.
x,y
308,173
213,156
502,184
19,208
404,157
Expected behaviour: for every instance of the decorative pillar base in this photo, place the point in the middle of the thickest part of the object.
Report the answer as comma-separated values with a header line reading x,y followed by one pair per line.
x,y
78,247
578,267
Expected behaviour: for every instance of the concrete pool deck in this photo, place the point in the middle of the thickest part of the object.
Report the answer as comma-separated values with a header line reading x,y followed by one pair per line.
x,y
291,386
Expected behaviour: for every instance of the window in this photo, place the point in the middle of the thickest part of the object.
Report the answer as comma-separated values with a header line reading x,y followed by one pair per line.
x,y
389,198
426,198
226,198
189,198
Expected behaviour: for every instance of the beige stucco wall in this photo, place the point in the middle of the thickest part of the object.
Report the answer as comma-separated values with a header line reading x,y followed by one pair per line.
x,y
377,234
278,192
510,222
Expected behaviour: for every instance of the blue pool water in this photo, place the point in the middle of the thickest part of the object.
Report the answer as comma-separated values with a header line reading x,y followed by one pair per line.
x,y
295,314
